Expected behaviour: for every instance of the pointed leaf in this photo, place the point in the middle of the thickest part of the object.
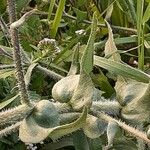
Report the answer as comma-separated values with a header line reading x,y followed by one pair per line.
x,y
29,73
109,12
6,73
110,47
121,69
112,130
75,61
7,102
69,128
57,18
83,94
146,14
87,58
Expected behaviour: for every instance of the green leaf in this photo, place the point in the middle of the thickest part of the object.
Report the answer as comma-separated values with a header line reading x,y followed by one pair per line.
x,y
112,130
134,97
146,15
100,80
6,73
51,6
39,123
123,143
87,58
94,127
109,12
110,47
69,128
140,33
28,74
118,40
57,18
81,15
43,122
75,61
7,102
21,4
83,94
121,69
81,144
81,3
3,6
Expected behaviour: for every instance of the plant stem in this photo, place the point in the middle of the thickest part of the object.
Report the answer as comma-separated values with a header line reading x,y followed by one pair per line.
x,y
14,115
135,132
50,73
17,54
10,129
140,5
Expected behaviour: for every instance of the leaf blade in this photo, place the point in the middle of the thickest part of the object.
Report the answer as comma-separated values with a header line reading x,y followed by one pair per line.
x,y
121,69
87,58
7,102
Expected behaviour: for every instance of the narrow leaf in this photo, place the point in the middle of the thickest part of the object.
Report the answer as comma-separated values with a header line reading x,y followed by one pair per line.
x,y
112,130
121,69
7,102
87,58
75,61
28,74
6,73
83,94
146,14
57,18
110,47
109,12
52,3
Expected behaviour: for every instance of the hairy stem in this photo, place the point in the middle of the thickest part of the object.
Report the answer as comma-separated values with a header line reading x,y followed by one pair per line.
x,y
17,54
50,73
13,115
135,132
10,129
109,107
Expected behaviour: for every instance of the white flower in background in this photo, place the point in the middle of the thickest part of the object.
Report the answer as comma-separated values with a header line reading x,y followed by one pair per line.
x,y
79,32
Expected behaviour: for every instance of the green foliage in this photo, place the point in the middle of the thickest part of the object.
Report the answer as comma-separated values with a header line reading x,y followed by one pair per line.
x,y
57,18
85,89
7,102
